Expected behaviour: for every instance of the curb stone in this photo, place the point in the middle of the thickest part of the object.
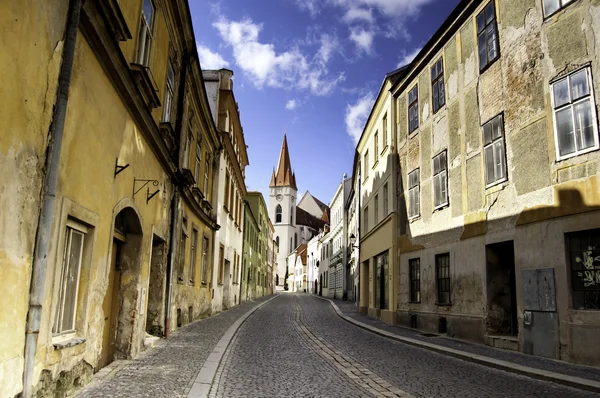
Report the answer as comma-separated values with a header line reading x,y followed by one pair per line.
x,y
571,381
201,386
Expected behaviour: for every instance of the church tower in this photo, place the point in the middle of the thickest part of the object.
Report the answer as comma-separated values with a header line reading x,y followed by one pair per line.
x,y
282,208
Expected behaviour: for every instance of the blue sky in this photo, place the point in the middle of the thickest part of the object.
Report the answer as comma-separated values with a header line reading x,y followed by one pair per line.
x,y
310,68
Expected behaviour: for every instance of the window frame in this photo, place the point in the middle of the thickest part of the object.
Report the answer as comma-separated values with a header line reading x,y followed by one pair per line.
x,y
169,93
485,32
144,44
376,209
439,78
501,139
376,144
198,163
278,214
205,250
193,254
416,187
562,4
433,179
206,177
386,208
366,165
414,280
70,228
366,219
413,104
571,104
591,273
385,133
439,279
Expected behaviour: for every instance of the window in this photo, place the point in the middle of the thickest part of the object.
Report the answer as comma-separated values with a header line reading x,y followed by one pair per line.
x,y
376,215
385,200
366,220
278,215
227,190
145,38
366,161
206,174
493,151
198,161
231,193
575,128
292,215
64,321
184,234
414,266
204,259
584,252
295,240
186,151
442,272
413,108
376,143
440,181
385,131
221,264
551,6
169,93
414,194
487,36
193,249
437,84
277,240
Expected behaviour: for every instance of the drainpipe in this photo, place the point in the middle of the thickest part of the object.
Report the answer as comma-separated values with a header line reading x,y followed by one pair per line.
x,y
44,227
175,201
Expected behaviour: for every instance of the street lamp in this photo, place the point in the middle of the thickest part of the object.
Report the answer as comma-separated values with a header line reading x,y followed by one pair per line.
x,y
353,241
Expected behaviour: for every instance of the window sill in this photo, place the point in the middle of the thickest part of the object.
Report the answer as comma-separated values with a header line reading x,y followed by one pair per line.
x,y
441,207
72,342
573,155
489,64
384,150
375,165
496,186
444,304
413,219
365,180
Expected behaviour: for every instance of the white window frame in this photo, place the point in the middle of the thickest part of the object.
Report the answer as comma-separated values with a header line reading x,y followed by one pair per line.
x,y
435,176
206,176
71,227
145,35
169,92
198,162
561,4
500,139
571,104
411,189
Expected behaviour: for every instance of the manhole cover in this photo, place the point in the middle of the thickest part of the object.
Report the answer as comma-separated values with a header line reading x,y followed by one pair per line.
x,y
429,334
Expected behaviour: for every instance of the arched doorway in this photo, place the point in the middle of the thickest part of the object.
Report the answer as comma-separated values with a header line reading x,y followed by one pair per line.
x,y
121,300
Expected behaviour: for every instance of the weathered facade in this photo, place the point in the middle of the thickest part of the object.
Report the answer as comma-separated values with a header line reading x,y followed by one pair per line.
x,y
250,254
498,136
259,210
231,168
98,186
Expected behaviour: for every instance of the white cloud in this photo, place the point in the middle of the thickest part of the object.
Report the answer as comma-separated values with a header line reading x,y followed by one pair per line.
x,y
209,59
291,104
266,66
407,57
386,7
363,39
354,14
309,5
329,44
357,114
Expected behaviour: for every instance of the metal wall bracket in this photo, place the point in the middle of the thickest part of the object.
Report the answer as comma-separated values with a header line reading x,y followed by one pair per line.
x,y
118,168
145,182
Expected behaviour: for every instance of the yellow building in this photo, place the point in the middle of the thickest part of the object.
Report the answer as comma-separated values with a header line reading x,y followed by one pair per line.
x,y
117,90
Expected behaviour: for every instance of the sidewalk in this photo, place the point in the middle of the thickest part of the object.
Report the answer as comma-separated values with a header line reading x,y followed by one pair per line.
x,y
583,377
170,368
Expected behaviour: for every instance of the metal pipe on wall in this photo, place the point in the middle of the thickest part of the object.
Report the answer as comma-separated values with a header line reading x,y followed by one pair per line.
x,y
44,227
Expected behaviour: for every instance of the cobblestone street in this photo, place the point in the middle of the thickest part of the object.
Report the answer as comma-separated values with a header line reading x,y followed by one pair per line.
x,y
296,346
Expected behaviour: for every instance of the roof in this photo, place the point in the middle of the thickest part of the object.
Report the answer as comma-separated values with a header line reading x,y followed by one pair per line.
x,y
301,250
305,218
284,176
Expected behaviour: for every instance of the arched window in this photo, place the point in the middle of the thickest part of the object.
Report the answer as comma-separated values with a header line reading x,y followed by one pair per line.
x,y
296,240
278,214
292,215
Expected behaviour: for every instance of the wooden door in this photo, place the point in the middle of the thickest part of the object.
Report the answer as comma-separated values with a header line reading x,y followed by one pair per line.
x,y
110,306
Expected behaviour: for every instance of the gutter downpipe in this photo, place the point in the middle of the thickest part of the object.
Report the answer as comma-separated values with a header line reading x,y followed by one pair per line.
x,y
175,202
44,227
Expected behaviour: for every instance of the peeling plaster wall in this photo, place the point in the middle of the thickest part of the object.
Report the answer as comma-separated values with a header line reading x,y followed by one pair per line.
x,y
533,52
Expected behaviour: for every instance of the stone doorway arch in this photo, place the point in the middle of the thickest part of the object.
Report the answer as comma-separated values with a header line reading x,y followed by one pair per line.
x,y
121,301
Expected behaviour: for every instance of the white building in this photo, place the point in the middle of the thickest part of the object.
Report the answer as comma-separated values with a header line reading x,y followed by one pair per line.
x,y
294,224
338,240
313,254
232,161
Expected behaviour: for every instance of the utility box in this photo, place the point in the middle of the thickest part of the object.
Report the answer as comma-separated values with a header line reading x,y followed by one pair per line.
x,y
540,319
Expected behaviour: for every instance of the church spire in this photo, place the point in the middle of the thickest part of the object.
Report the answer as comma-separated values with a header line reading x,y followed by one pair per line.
x,y
284,177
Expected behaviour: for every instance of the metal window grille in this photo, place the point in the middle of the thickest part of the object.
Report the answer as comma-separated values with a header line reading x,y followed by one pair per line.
x,y
584,252
440,180
413,109
494,151
437,84
487,36
575,127
415,279
442,270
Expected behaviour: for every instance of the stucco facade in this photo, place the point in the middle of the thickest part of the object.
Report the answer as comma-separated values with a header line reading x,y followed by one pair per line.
x,y
502,258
